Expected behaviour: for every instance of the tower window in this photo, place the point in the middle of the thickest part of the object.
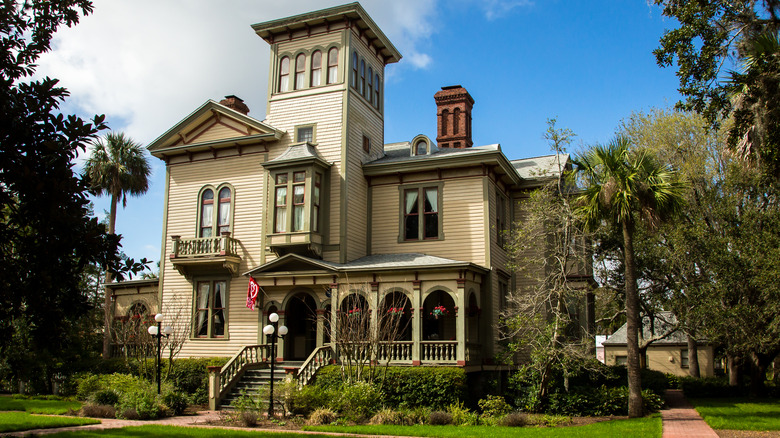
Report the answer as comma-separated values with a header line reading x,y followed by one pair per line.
x,y
304,133
362,86
333,65
370,93
284,75
354,70
376,91
300,71
316,68
366,143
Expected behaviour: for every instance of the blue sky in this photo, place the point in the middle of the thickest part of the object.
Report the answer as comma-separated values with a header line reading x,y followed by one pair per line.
x,y
587,63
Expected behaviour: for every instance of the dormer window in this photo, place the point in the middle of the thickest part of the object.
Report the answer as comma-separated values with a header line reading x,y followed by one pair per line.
x,y
421,148
421,145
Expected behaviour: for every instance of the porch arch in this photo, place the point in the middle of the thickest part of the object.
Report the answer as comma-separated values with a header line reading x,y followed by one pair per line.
x,y
300,317
439,327
395,316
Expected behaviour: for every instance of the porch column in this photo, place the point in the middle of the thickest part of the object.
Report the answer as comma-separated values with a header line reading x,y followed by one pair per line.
x,y
417,311
334,321
320,327
374,313
460,322
281,343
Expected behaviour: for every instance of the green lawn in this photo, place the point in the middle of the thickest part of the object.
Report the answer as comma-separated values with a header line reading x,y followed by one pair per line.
x,y
16,421
35,406
178,432
739,414
640,427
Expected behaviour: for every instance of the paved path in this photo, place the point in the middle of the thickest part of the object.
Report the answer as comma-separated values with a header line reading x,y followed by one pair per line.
x,y
680,419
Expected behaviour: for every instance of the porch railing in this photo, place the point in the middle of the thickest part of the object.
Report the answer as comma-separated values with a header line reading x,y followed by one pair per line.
x,y
399,351
439,351
235,366
205,246
318,359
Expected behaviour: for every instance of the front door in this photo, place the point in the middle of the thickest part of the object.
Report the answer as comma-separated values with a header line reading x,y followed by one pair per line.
x,y
301,321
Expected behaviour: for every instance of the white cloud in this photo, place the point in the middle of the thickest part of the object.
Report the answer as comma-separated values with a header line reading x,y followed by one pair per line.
x,y
147,64
498,8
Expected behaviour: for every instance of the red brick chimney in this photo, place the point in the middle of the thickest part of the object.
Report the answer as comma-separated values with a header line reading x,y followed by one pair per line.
x,y
235,103
453,114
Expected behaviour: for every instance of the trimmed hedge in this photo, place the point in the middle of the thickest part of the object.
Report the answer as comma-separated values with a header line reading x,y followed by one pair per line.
x,y
435,387
708,387
603,401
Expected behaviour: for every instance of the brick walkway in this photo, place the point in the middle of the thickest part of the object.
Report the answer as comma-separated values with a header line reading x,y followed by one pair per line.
x,y
680,419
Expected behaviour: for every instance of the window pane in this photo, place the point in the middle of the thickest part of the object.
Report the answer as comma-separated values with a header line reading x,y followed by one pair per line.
x,y
298,194
223,213
219,294
281,196
411,227
362,84
280,224
431,200
354,70
201,318
299,177
431,225
411,217
298,218
305,134
281,178
370,93
422,148
218,327
376,91
300,71
315,218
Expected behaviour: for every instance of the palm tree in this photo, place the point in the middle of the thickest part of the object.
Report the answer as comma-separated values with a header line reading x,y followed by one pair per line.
x,y
116,167
623,188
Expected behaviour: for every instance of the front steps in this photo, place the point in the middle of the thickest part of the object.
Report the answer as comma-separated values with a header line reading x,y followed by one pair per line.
x,y
255,383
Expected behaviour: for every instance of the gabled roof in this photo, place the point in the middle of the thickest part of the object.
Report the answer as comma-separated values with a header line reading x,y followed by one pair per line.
x,y
294,263
665,323
338,14
183,136
541,167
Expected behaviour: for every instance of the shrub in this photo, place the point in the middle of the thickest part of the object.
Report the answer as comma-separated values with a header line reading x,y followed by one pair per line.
x,y
305,400
494,406
418,415
708,387
190,376
141,400
389,416
514,419
105,397
462,416
98,411
248,409
322,416
176,402
602,402
358,401
440,418
86,385
434,387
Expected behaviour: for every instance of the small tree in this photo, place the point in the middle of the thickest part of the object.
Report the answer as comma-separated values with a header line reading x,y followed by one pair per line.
x,y
547,250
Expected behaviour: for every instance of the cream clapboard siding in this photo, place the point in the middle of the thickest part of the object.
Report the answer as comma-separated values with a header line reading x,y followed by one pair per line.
x,y
325,111
462,213
363,120
247,177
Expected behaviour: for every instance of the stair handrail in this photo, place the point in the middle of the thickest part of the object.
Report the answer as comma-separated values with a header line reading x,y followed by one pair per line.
x,y
316,360
246,356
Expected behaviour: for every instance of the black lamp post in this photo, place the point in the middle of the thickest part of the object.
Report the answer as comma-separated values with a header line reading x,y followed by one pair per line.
x,y
158,332
270,330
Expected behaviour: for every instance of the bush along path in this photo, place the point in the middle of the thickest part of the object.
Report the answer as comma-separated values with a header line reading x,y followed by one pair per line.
x,y
680,419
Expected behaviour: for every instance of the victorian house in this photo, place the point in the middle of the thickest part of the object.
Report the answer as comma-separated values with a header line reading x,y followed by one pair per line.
x,y
326,218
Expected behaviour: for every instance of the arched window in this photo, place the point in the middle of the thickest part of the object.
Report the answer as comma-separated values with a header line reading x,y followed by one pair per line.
x,y
206,213
223,215
284,75
362,86
376,91
333,65
316,69
300,70
456,121
421,148
370,93
353,81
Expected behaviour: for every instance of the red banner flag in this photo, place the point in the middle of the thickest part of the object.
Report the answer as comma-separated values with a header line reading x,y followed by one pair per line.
x,y
251,293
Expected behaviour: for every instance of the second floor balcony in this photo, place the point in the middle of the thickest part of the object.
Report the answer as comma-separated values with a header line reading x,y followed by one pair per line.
x,y
206,255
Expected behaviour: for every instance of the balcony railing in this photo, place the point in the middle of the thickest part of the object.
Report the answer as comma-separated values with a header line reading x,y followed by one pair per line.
x,y
223,245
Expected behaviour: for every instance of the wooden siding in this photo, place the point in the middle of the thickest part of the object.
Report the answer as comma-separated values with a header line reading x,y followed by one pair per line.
x,y
462,215
247,178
